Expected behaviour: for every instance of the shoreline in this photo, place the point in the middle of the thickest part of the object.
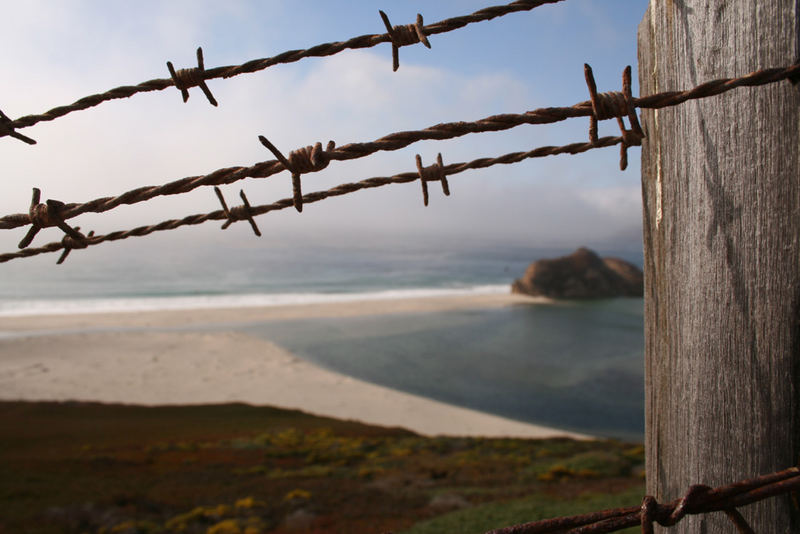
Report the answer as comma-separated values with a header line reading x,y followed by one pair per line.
x,y
185,318
145,358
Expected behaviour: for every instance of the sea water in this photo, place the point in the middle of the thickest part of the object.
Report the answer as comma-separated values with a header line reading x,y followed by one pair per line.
x,y
572,365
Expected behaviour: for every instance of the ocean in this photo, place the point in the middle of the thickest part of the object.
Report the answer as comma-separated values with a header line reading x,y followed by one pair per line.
x,y
571,365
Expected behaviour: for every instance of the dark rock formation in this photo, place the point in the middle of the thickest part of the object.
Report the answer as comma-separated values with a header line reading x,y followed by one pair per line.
x,y
581,275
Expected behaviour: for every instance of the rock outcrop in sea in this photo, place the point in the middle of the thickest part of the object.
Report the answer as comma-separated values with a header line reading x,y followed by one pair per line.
x,y
581,275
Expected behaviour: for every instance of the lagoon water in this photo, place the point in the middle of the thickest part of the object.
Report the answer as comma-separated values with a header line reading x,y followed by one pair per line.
x,y
576,366
571,365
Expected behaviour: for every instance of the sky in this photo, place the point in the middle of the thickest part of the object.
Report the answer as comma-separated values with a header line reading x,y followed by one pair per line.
x,y
57,52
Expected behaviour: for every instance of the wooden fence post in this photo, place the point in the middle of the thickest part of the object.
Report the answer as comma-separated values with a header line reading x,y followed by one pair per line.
x,y
721,192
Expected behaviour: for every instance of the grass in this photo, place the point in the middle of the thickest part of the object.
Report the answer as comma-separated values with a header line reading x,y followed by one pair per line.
x,y
237,469
480,519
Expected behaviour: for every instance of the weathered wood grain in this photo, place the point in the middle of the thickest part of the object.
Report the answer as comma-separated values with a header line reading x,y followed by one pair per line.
x,y
721,192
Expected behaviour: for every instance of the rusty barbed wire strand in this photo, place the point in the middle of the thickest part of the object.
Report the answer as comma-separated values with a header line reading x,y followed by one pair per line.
x,y
719,86
291,56
698,499
398,140
264,169
229,215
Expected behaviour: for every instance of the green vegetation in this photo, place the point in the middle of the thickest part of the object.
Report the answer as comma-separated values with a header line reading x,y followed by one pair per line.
x,y
236,469
486,517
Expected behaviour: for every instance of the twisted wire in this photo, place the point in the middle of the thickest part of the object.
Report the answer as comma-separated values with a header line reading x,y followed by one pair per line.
x,y
343,189
697,500
291,56
716,87
398,140
264,169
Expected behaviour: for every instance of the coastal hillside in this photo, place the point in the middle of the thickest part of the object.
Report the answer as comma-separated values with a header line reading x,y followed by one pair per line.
x,y
236,469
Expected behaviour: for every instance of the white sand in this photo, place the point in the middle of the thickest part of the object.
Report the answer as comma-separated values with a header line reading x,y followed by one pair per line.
x,y
50,358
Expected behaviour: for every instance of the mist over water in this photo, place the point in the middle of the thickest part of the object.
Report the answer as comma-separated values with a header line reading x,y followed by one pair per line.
x,y
178,275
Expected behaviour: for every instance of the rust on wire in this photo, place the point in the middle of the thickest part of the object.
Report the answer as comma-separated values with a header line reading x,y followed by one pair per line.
x,y
264,169
614,104
699,499
434,173
45,215
194,77
342,189
71,243
237,213
406,35
301,161
322,50
398,140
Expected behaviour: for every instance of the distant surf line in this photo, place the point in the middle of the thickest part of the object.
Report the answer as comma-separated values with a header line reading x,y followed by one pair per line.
x,y
25,308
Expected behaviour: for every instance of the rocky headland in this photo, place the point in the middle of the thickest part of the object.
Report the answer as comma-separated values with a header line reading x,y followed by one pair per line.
x,y
581,275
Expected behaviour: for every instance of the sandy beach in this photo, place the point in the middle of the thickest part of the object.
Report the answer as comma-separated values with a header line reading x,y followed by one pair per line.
x,y
169,358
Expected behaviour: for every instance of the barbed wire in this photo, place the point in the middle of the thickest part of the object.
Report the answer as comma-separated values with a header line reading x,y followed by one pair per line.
x,y
264,169
184,79
699,499
602,106
436,172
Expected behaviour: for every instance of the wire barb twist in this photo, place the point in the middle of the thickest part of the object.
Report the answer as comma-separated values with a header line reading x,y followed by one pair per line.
x,y
699,499
398,140
7,129
404,35
193,77
342,189
614,104
238,213
300,161
691,503
70,243
290,56
45,215
433,173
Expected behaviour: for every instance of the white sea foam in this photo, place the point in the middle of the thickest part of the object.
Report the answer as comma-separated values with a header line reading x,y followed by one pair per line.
x,y
18,308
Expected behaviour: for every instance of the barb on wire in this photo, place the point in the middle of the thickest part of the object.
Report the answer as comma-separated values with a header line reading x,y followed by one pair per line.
x,y
699,499
434,173
45,215
302,160
398,140
7,128
238,213
322,50
615,104
264,169
403,36
186,78
343,189
71,243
